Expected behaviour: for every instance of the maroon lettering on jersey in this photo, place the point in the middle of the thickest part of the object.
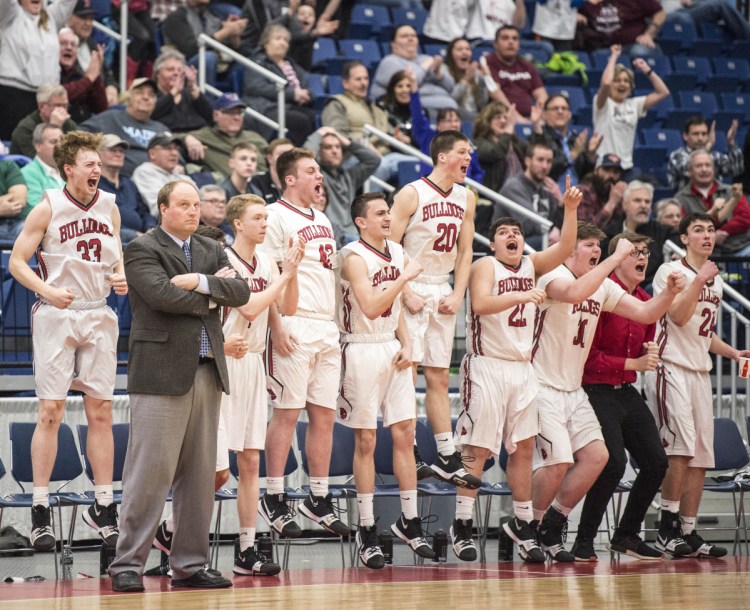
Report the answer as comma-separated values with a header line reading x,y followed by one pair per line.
x,y
258,284
591,306
709,296
515,284
386,274
312,232
85,226
441,209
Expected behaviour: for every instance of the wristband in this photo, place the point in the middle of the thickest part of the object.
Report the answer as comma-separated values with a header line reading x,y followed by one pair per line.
x,y
650,72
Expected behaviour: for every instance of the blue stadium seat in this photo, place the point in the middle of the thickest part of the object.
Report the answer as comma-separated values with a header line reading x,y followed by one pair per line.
x,y
368,19
524,131
698,102
650,158
482,48
20,160
411,16
366,51
323,50
712,40
740,48
671,139
737,105
580,106
660,64
335,85
729,74
691,71
675,37
435,49
584,58
409,171
317,89
600,57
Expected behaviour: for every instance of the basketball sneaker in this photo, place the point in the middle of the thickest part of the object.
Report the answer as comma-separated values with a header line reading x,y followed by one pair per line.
x,y
320,510
104,520
552,533
42,538
701,548
524,535
423,469
410,531
250,562
451,469
276,511
583,550
463,544
370,553
163,539
669,539
632,545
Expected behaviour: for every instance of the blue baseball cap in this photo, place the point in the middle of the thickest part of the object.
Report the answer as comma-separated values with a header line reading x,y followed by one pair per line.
x,y
227,101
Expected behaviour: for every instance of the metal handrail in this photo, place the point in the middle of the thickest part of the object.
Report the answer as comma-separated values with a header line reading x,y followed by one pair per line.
x,y
281,83
122,38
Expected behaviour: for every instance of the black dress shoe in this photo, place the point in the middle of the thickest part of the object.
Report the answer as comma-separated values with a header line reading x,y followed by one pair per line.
x,y
203,579
127,582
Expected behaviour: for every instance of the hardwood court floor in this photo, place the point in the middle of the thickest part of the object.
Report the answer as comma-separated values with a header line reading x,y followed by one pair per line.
x,y
689,584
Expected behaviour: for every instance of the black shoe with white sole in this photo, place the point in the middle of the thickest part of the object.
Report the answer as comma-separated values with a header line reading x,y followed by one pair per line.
x,y
463,544
275,510
524,535
320,510
410,531
450,469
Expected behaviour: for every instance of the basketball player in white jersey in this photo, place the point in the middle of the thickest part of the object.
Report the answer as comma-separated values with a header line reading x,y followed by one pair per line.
x,y
304,357
498,384
434,219
570,451
376,370
76,234
679,391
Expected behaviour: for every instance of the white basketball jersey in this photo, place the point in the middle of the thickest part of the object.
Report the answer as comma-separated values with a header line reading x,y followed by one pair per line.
x,y
315,276
508,335
257,274
563,332
432,233
383,268
687,346
79,251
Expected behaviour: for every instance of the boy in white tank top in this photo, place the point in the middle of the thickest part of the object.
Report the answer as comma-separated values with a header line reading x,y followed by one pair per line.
x,y
76,233
679,391
434,219
570,452
498,384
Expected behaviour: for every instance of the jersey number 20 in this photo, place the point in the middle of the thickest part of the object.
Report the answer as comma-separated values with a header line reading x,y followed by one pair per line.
x,y
447,237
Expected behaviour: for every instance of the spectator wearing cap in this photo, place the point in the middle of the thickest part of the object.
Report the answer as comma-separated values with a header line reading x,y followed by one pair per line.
x,y
211,147
602,192
51,108
133,124
85,87
162,167
180,104
134,213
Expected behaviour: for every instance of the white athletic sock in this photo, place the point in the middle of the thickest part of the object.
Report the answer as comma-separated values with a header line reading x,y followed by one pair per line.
x,y
464,507
523,511
41,496
366,509
319,486
445,443
275,485
103,494
539,514
564,510
409,503
688,524
169,522
247,538
673,506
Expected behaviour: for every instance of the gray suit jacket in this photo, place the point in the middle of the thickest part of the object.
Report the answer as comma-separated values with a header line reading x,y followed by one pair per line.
x,y
166,327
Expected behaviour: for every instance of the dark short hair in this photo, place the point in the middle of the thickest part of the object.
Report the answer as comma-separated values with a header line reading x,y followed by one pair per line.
x,y
398,27
362,202
505,221
347,68
692,218
506,26
162,198
444,142
214,233
694,120
587,230
556,95
286,164
535,143
633,238
444,113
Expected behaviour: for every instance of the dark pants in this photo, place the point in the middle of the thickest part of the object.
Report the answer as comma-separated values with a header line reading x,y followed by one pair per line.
x,y
15,104
627,423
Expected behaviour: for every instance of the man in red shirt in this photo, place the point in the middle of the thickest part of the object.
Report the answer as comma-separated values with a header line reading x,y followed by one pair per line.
x,y
620,348
633,24
518,81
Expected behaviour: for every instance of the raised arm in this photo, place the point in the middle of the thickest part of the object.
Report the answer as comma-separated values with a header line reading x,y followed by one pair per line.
x,y
608,76
684,305
650,311
661,91
483,302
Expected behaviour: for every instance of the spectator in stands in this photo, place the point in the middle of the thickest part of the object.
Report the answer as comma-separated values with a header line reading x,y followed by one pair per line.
x,y
82,24
602,192
341,184
499,150
555,22
183,26
214,210
180,104
704,193
161,9
267,184
162,167
141,37
13,193
708,11
210,147
518,81
396,102
636,206
446,21
536,191
42,173
633,24
28,32
574,152
697,135
86,92
135,215
52,108
243,163
489,15
435,82
348,113
669,212
469,91
133,124
261,95
616,114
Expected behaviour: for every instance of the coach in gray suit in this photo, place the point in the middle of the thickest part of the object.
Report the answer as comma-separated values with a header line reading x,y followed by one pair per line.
x,y
176,373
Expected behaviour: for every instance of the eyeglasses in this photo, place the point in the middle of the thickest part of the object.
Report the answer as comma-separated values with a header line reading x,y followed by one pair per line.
x,y
558,109
215,201
638,253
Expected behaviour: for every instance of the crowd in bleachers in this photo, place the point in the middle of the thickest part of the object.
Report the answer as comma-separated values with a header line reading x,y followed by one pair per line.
x,y
653,83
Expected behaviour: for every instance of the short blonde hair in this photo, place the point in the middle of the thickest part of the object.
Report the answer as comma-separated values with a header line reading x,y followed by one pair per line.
x,y
239,203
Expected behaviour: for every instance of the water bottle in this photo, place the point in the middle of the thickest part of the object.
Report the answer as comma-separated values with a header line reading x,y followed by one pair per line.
x,y
106,557
265,547
504,543
385,542
440,546
66,562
